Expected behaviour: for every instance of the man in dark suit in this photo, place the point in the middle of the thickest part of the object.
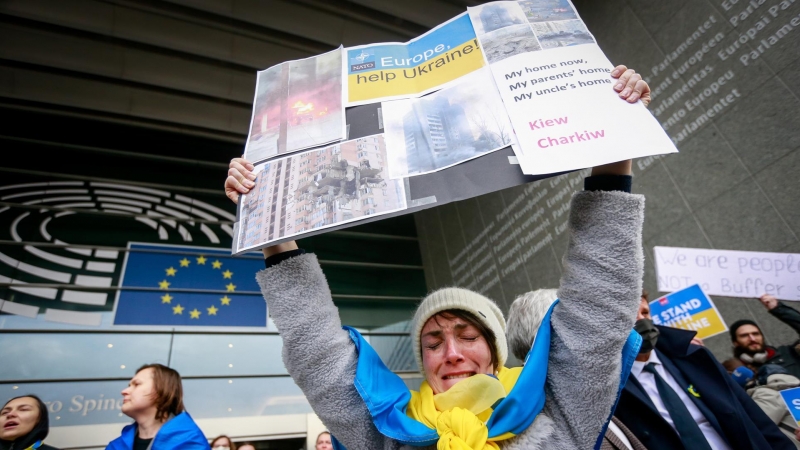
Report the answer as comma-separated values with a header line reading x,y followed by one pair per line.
x,y
679,397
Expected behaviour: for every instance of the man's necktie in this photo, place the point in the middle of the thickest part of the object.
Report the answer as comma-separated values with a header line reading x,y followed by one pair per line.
x,y
691,435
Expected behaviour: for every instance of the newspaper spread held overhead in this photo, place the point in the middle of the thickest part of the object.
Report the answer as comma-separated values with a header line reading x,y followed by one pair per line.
x,y
504,94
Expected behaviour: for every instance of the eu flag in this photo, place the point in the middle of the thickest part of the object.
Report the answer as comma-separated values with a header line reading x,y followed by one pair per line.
x,y
185,286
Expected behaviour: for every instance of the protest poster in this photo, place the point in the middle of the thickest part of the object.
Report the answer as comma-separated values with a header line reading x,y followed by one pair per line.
x,y
298,105
451,126
688,309
729,273
791,397
388,71
554,81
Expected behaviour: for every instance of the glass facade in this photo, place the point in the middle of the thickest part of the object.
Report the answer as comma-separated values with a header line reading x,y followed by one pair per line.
x,y
79,372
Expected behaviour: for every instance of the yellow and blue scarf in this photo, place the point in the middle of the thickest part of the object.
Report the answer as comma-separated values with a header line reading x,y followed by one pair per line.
x,y
476,412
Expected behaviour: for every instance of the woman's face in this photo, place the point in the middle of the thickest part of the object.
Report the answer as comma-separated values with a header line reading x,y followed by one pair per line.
x,y
453,349
221,442
138,397
18,418
324,442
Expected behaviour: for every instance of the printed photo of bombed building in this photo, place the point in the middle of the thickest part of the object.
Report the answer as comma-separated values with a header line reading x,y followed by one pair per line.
x,y
317,189
496,16
503,30
511,28
547,10
562,34
448,127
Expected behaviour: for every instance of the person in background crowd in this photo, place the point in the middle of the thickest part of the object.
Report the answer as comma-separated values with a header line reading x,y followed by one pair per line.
x,y
246,446
222,443
524,317
24,424
679,397
459,336
764,388
748,340
154,400
324,441
741,377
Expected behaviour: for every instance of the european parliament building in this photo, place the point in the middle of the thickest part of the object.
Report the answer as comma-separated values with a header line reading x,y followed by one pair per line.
x,y
120,119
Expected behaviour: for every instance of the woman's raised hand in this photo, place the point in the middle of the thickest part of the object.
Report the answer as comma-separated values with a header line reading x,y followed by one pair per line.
x,y
240,178
631,86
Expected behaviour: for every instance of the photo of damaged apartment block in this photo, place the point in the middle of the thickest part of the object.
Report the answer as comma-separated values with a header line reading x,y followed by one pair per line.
x,y
317,189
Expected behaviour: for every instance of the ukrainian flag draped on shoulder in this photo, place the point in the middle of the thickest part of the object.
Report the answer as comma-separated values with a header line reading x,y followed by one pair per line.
x,y
474,414
178,432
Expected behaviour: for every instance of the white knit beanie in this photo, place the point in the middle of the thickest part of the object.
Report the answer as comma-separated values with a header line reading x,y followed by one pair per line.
x,y
481,307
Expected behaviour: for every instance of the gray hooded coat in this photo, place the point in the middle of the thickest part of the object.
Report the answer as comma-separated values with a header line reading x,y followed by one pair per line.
x,y
599,292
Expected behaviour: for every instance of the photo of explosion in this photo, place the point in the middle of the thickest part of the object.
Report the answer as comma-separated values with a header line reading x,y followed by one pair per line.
x,y
298,105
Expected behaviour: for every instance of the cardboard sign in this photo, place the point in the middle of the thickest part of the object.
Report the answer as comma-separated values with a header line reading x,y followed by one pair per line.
x,y
729,273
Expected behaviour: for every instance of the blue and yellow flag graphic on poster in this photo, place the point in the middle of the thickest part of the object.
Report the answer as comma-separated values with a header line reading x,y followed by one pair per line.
x,y
689,309
378,72
217,282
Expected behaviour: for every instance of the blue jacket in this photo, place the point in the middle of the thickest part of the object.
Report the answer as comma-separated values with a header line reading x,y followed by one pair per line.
x,y
180,432
727,406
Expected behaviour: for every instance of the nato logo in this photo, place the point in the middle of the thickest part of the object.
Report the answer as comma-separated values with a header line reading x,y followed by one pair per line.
x,y
362,61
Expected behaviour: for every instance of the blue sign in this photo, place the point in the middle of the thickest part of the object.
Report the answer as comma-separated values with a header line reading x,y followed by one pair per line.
x,y
189,286
792,399
689,309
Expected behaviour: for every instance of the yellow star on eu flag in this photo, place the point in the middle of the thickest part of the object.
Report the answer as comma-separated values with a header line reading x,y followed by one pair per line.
x,y
166,298
194,314
184,262
212,310
201,260
216,264
171,271
230,287
227,274
225,300
177,309
163,284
